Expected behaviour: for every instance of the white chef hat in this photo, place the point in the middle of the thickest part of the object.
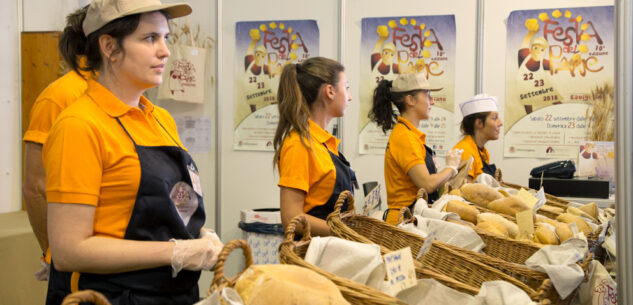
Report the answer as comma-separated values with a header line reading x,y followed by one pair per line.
x,y
479,103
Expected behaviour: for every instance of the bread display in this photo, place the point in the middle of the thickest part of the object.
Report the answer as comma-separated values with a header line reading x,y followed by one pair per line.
x,y
493,227
508,205
464,210
552,209
511,227
581,213
479,194
581,223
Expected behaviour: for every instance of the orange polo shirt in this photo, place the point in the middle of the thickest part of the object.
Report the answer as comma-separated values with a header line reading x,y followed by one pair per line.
x,y
470,149
50,103
309,170
90,160
405,150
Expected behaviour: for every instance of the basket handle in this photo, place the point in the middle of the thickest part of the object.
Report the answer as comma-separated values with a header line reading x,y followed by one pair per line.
x,y
339,204
219,278
82,296
422,193
499,175
292,227
405,216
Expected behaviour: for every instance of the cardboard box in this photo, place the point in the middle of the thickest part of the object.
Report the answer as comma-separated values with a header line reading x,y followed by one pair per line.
x,y
270,216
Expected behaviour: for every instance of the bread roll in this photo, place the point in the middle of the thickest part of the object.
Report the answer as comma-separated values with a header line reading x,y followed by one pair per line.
x,y
552,209
564,232
508,205
504,193
591,209
464,210
455,192
543,235
479,194
493,227
581,213
511,227
570,218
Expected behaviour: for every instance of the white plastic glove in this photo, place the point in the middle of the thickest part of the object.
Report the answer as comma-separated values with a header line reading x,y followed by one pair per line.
x,y
196,254
42,274
453,158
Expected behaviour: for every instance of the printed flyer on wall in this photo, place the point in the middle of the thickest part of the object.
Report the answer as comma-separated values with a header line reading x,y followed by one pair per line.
x,y
262,49
559,80
395,45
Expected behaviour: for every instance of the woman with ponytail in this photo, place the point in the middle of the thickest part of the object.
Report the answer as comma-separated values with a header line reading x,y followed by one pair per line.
x,y
409,162
312,172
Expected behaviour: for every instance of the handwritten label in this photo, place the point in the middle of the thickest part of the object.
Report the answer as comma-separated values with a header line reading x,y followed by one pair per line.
x,y
400,270
372,200
526,197
525,220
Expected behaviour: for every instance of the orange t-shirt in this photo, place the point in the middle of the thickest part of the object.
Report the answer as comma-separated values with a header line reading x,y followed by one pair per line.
x,y
470,149
404,150
51,102
89,159
311,171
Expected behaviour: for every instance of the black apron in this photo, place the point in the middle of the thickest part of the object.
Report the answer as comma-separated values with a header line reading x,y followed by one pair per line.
x,y
345,181
430,166
489,169
154,218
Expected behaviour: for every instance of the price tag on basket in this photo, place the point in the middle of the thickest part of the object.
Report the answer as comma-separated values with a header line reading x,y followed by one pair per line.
x,y
400,270
371,201
426,246
526,197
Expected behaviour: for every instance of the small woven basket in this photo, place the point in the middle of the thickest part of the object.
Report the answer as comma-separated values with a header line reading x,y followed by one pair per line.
x,y
292,252
85,296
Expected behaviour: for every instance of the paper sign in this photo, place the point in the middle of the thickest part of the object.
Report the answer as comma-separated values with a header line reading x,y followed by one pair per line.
x,y
426,246
371,201
526,197
400,270
525,220
540,196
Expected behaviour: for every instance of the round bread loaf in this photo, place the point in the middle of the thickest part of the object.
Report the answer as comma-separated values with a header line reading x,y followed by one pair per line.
x,y
479,194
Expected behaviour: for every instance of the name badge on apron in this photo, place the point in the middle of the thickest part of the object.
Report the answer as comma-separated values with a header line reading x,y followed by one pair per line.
x,y
195,179
185,200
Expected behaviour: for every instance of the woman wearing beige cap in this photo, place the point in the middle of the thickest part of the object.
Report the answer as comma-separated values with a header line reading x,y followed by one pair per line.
x,y
125,210
409,163
481,123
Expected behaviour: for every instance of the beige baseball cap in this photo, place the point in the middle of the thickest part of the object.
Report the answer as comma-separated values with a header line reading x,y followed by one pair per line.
x,y
101,12
411,82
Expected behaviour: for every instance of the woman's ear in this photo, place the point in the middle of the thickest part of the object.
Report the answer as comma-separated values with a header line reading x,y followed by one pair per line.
x,y
479,123
329,91
108,45
409,100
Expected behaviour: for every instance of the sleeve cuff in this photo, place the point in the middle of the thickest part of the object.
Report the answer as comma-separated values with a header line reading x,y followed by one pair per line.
x,y
76,198
35,136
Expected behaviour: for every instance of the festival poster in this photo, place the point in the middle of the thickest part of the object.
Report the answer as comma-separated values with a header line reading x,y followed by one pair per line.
x,y
262,49
559,80
394,45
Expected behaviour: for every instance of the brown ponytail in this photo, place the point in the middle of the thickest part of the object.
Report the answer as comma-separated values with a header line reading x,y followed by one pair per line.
x,y
382,110
72,43
299,87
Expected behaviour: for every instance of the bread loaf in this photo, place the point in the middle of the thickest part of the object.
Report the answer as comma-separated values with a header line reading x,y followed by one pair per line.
x,y
508,205
286,285
543,235
570,218
552,209
563,231
479,194
464,210
455,192
511,227
493,227
504,193
581,213
591,209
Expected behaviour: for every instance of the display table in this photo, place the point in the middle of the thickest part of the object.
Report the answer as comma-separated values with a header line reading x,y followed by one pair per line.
x,y
19,260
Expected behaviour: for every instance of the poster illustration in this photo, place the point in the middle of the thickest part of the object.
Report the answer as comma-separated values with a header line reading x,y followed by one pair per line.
x,y
262,49
396,45
559,68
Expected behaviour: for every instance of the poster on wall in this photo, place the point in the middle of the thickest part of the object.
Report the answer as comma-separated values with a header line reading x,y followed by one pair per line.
x,y
262,49
395,45
559,80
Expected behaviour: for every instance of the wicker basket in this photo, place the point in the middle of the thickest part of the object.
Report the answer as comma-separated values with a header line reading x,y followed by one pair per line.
x,y
85,296
220,280
463,265
291,252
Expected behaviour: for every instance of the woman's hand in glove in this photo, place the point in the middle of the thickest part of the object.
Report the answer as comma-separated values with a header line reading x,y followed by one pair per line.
x,y
196,254
453,158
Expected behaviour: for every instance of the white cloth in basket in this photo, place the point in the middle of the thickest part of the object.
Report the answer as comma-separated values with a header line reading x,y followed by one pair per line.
x,y
559,262
229,295
356,261
450,233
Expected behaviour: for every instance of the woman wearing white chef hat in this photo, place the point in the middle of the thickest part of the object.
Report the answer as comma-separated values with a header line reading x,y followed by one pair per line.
x,y
481,123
